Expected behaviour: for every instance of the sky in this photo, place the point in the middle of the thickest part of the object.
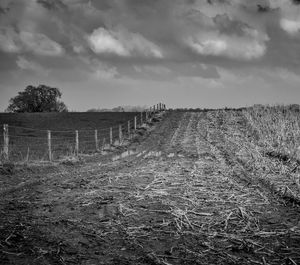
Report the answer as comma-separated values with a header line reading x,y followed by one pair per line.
x,y
185,53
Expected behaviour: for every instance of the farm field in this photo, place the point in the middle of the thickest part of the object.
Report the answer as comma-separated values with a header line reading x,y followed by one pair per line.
x,y
215,187
28,132
66,120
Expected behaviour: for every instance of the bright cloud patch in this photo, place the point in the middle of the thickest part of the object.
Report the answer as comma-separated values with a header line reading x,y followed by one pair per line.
x,y
232,47
289,15
290,26
102,41
40,44
209,46
122,43
228,38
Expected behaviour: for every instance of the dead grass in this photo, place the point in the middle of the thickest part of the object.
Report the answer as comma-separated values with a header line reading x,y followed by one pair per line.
x,y
201,205
276,128
264,141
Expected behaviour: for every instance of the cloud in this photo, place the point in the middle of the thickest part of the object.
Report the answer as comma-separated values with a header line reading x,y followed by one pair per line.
x,y
25,64
142,30
296,2
37,43
289,15
136,43
150,72
151,32
101,71
171,71
40,44
103,41
9,40
290,26
155,69
105,73
122,43
98,69
227,38
231,47
52,4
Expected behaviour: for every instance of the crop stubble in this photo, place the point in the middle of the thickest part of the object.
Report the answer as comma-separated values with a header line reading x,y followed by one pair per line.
x,y
196,191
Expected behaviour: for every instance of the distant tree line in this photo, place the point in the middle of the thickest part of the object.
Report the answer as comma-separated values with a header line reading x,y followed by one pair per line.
x,y
120,109
37,99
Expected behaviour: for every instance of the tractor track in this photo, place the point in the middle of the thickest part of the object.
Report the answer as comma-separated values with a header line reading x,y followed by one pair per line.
x,y
182,197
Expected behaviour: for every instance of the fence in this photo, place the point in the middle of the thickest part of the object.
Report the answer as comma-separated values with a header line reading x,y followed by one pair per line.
x,y
24,144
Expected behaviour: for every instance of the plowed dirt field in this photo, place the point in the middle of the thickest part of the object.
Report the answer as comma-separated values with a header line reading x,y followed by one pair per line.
x,y
185,194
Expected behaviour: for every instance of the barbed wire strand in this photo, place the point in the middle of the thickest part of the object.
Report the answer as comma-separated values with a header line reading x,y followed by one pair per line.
x,y
66,143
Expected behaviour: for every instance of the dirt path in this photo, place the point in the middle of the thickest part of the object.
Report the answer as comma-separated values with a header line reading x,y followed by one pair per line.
x,y
182,198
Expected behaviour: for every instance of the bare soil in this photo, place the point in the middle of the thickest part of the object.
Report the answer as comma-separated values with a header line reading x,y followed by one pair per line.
x,y
185,195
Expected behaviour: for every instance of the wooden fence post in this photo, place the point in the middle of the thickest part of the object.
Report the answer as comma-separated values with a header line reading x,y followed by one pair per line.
x,y
49,145
96,140
147,116
110,136
141,118
103,144
6,141
128,128
120,134
76,143
135,123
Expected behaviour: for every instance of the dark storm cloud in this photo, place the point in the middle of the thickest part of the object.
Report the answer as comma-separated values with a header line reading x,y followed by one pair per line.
x,y
103,5
229,26
263,9
3,10
52,4
296,2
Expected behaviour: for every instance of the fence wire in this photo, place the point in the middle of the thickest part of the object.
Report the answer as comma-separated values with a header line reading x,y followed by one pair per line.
x,y
35,144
